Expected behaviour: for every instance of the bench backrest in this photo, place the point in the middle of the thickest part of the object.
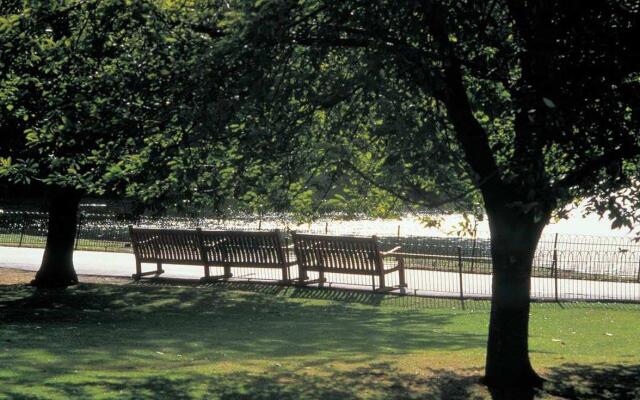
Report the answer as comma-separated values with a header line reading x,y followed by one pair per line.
x,y
355,255
179,246
182,246
244,248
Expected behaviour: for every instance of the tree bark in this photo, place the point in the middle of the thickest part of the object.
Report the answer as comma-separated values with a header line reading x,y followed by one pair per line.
x,y
514,238
57,270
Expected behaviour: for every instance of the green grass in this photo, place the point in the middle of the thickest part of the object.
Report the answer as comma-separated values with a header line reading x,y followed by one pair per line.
x,y
249,341
35,241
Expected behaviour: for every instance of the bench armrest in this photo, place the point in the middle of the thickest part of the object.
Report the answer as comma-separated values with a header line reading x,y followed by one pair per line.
x,y
390,252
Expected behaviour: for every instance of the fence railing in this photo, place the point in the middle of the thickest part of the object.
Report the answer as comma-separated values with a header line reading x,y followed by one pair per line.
x,y
564,268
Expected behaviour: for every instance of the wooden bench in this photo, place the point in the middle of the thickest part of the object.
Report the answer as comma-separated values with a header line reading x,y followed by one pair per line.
x,y
345,255
208,249
246,249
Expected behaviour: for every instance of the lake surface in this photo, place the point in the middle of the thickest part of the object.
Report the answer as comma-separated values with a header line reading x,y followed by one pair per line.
x,y
576,224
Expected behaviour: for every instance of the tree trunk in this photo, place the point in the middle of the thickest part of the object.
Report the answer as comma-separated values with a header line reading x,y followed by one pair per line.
x,y
514,238
56,270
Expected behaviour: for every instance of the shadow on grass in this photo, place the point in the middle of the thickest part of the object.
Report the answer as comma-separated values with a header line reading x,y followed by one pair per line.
x,y
153,341
365,296
376,381
600,381
343,295
147,327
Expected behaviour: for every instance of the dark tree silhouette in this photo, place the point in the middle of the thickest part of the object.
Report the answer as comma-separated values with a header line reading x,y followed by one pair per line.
x,y
533,103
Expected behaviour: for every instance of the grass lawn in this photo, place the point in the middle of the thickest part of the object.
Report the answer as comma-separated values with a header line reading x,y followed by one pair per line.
x,y
117,340
13,240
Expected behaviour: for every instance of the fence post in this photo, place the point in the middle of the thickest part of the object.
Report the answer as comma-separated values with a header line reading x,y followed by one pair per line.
x,y
639,270
23,228
259,224
460,276
398,231
554,266
75,247
326,228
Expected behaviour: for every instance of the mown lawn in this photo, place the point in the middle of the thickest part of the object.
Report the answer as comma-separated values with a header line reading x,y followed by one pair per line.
x,y
13,240
250,341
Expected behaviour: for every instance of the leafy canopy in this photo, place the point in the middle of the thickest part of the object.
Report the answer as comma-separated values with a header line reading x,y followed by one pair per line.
x,y
535,104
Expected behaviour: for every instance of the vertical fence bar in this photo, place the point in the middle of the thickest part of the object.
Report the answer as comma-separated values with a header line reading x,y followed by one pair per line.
x,y
473,250
259,224
398,231
326,228
460,276
23,229
554,266
638,270
78,228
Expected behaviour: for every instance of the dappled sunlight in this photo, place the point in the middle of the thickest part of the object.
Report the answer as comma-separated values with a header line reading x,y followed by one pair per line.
x,y
116,326
231,340
373,381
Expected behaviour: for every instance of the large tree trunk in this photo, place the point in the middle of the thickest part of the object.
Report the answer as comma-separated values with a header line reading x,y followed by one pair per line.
x,y
56,270
514,238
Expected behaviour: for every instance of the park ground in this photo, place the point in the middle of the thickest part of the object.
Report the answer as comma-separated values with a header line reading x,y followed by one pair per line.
x,y
113,339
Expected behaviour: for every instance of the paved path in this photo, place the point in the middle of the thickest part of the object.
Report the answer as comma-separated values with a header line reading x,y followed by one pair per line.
x,y
420,281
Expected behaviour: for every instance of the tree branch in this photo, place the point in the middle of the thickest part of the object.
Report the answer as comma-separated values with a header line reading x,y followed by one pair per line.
x,y
472,137
592,167
405,198
331,41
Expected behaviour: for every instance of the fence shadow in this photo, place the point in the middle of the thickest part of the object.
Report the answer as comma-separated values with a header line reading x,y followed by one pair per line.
x,y
343,295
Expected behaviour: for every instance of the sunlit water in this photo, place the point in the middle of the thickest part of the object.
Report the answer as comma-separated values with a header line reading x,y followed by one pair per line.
x,y
451,225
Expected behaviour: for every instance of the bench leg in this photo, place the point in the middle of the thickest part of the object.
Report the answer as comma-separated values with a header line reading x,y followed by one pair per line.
x,y
285,273
382,284
403,282
302,275
138,273
207,273
227,271
321,279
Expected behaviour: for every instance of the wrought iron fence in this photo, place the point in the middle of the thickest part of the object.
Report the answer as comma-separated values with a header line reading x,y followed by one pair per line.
x,y
565,267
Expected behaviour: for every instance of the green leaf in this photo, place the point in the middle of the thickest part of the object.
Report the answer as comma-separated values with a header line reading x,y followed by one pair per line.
x,y
548,102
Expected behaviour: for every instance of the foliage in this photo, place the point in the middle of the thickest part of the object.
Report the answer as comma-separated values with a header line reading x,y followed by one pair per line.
x,y
317,107
111,97
534,105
